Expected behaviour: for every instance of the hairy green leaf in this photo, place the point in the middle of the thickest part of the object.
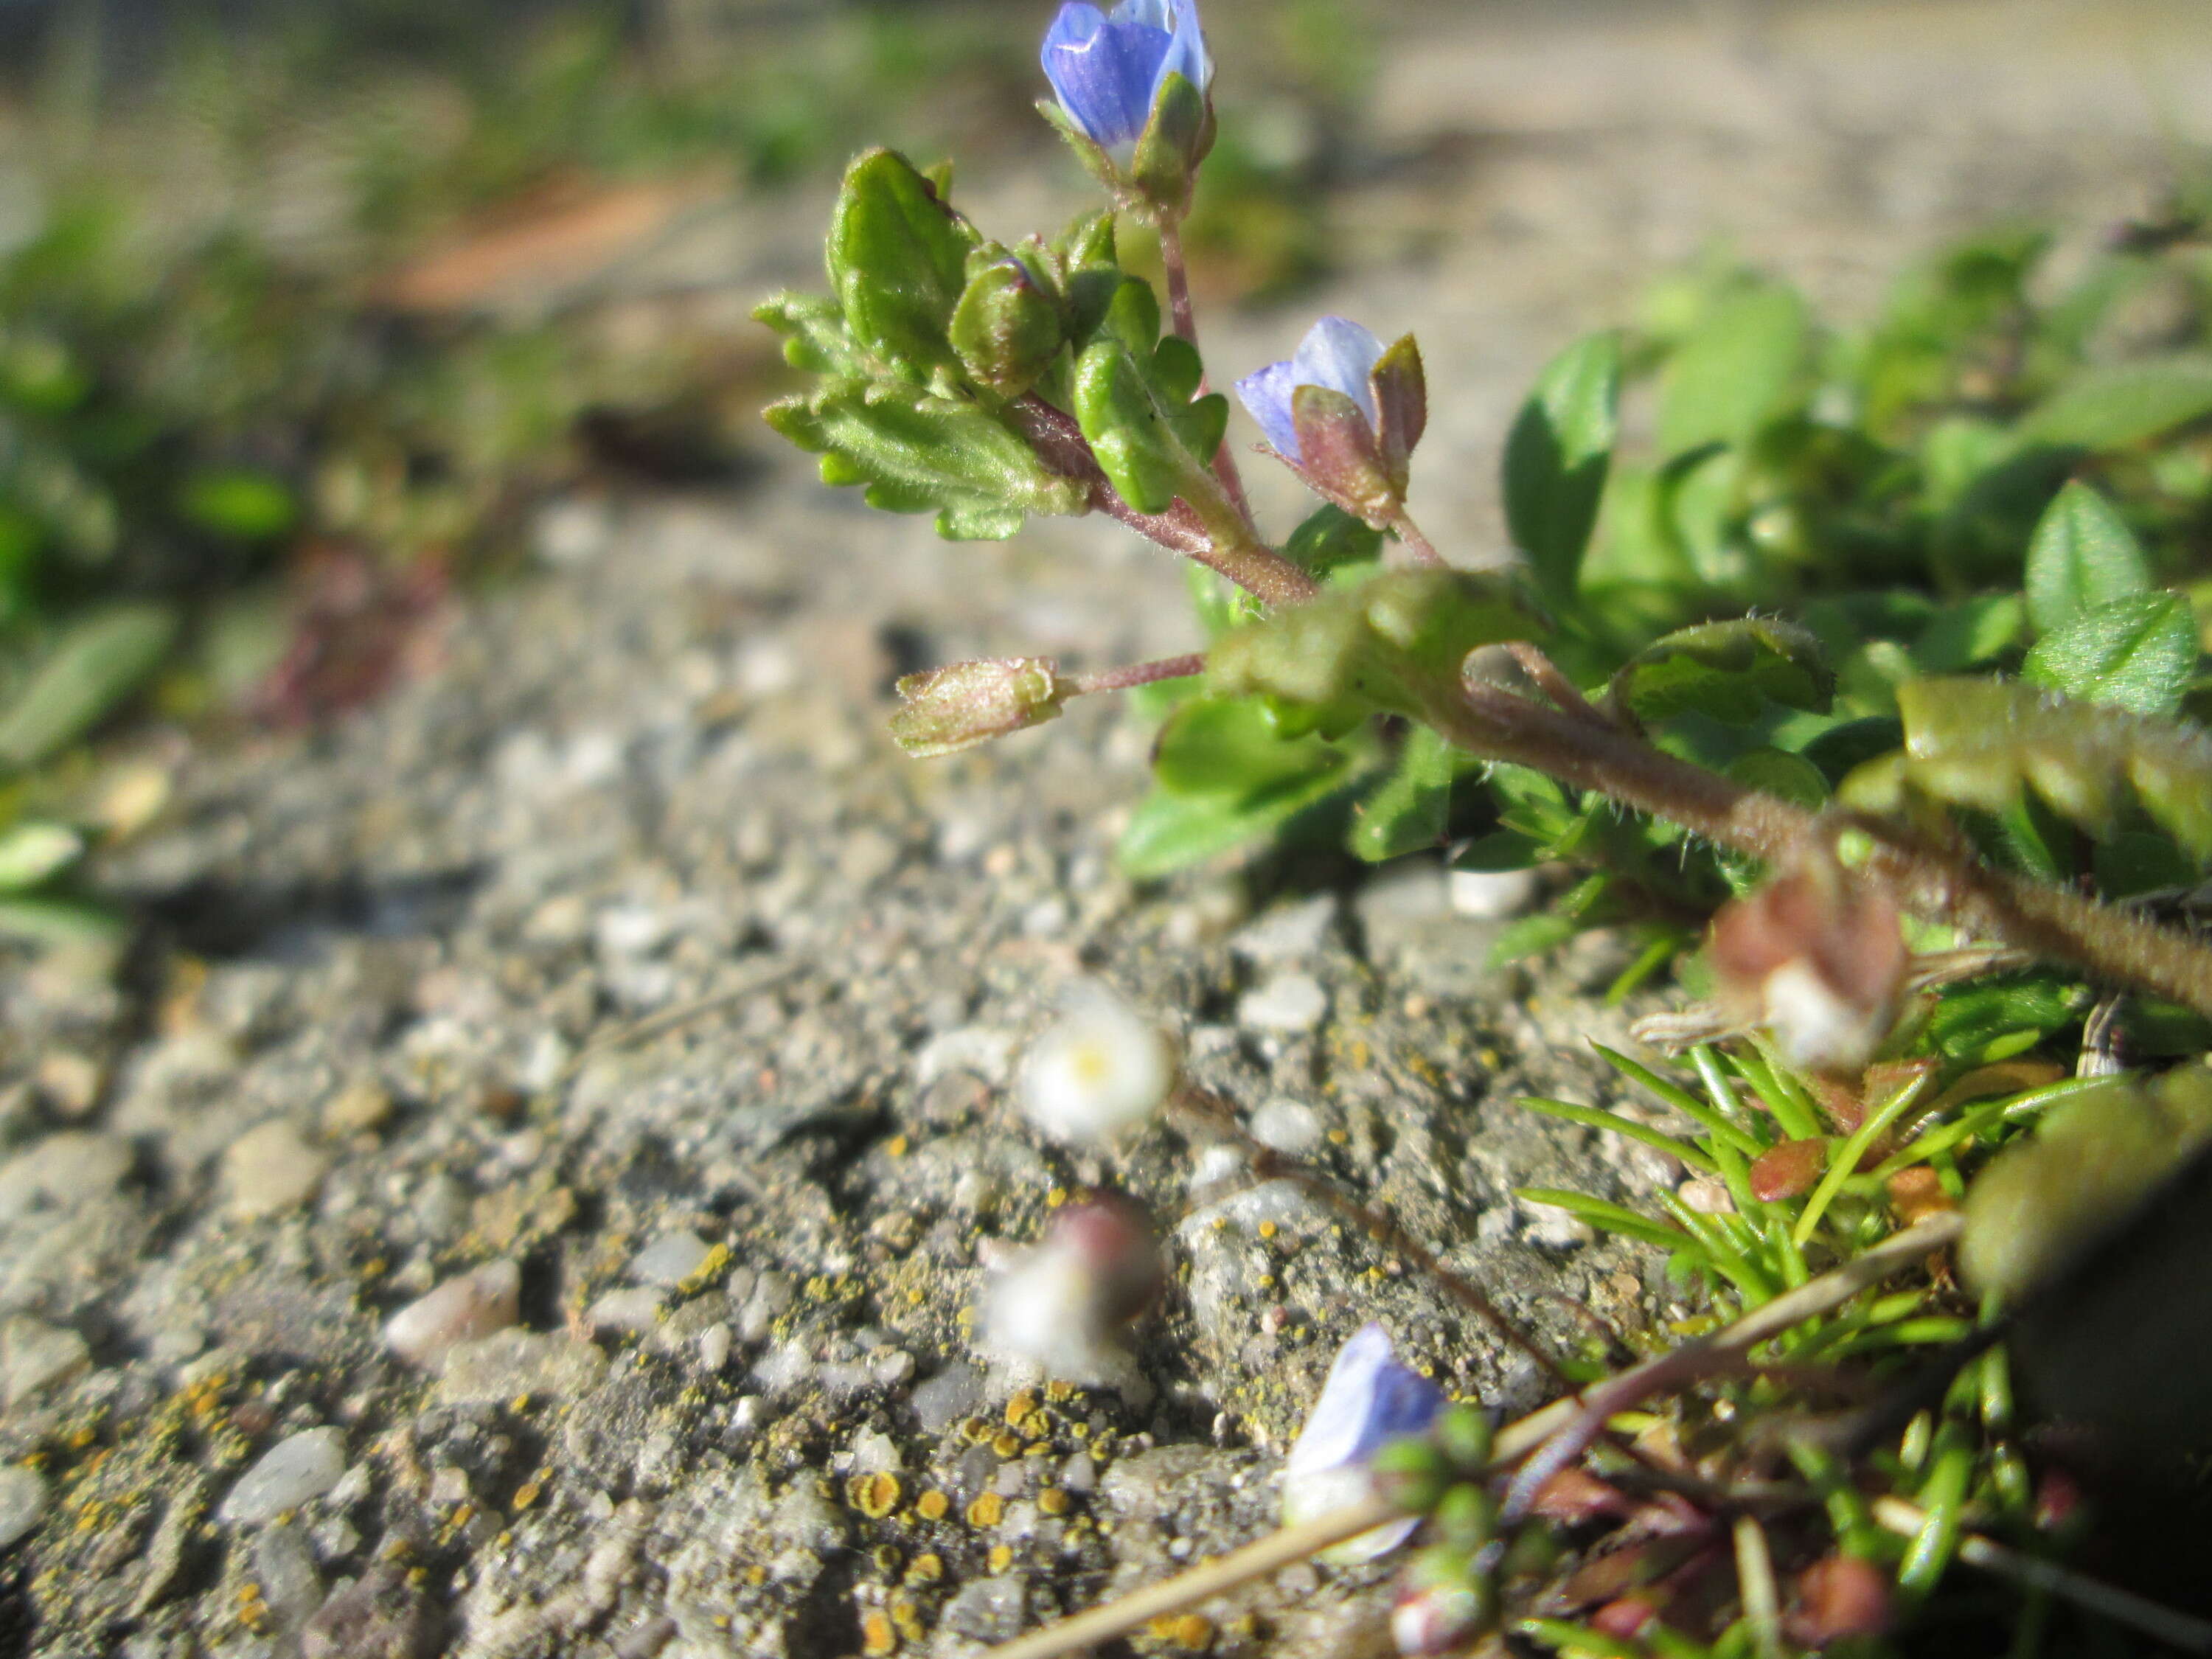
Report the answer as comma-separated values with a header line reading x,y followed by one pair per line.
x,y
2083,556
1411,808
2136,653
1734,370
1556,459
1727,670
898,263
2112,406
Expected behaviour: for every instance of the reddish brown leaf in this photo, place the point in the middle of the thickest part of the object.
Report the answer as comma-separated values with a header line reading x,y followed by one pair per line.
x,y
1789,1170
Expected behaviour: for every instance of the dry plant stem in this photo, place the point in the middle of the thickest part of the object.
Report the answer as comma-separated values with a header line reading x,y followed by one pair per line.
x,y
1940,884
2189,1634
1514,1442
1185,322
1218,1118
1229,549
1136,674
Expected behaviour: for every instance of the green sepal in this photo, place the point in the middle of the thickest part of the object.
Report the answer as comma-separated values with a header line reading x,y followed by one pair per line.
x,y
1174,141
1727,670
1095,162
1390,645
898,259
1339,456
919,453
1400,389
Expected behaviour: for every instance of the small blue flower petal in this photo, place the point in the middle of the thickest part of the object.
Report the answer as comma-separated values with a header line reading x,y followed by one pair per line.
x,y
1339,354
1107,70
1369,1399
1266,394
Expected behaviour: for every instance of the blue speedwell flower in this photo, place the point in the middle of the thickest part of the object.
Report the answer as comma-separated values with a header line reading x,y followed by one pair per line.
x,y
1108,69
1370,1397
1337,353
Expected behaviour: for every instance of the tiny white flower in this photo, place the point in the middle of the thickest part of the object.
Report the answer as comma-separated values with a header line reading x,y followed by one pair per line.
x,y
1101,1070
1063,1305
1369,1397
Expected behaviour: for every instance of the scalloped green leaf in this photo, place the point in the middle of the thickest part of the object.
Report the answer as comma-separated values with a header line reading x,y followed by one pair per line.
x,y
2083,556
1980,743
1729,671
918,453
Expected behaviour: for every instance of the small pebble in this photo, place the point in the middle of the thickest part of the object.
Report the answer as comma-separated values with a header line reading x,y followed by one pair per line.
x,y
1492,895
1288,1002
495,1369
1287,932
382,1617
357,1109
462,1310
714,1348
1290,1126
271,1169
22,1501
670,1260
303,1466
35,1356
625,1312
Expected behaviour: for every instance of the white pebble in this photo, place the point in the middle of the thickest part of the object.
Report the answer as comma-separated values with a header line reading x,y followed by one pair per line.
x,y
626,1311
1288,1002
670,1260
35,1356
1288,1126
1492,895
293,1471
714,1348
22,1501
271,1168
475,1304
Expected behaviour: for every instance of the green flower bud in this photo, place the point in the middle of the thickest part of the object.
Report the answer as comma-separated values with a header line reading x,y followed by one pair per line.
x,y
1006,329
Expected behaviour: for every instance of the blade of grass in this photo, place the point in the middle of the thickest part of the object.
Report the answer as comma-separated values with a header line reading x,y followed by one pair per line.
x,y
1847,1155
1713,1122
1610,1216
1792,1107
1596,1117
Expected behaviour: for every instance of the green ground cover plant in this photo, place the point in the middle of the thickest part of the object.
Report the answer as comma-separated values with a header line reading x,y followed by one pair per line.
x,y
1868,690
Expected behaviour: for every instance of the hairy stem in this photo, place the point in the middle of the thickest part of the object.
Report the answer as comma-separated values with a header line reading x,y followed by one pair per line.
x,y
1184,320
1135,674
1207,529
1941,883
1417,543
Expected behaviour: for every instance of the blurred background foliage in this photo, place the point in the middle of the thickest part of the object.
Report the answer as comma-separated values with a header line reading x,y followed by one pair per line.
x,y
266,384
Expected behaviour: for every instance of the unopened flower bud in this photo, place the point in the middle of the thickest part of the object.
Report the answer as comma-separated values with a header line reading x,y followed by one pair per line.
x,y
1443,1602
1098,1073
1817,955
947,709
1369,1400
1006,328
1133,91
1840,1597
1061,1305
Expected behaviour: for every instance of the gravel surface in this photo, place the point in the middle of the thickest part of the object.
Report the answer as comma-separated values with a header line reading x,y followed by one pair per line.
x,y
537,1183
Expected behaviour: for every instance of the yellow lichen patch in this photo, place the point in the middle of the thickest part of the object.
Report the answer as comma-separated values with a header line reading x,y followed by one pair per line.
x,y
907,1616
874,1495
932,1505
1025,1402
1268,1230
987,1510
1006,1445
927,1568
1058,1392
1052,1501
896,1147
1192,1631
709,1271
886,1558
975,1430
1056,1197
877,1635
1000,1558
